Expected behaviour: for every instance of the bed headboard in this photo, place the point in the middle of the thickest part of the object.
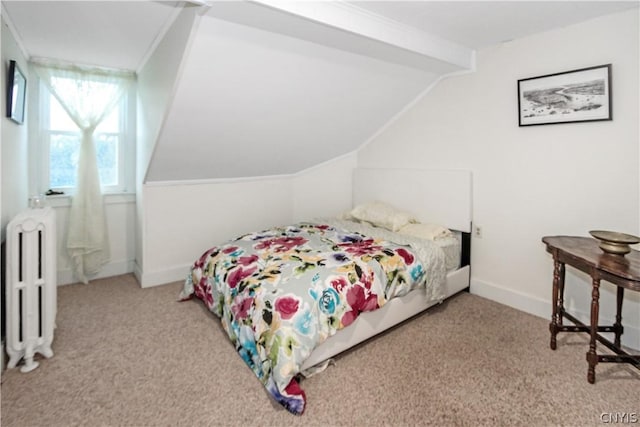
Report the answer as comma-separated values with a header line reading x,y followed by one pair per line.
x,y
436,196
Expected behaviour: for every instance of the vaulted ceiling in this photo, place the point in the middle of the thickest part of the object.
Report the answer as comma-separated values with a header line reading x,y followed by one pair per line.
x,y
270,87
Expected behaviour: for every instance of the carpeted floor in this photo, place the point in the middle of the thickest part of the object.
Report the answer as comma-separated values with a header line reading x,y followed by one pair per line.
x,y
136,357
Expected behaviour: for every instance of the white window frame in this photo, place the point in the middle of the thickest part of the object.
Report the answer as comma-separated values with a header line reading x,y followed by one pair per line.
x,y
126,145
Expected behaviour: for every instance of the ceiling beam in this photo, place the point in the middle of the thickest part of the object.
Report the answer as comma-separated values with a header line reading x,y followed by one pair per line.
x,y
349,18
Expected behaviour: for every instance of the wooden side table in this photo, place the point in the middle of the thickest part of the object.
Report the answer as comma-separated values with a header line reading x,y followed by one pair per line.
x,y
584,254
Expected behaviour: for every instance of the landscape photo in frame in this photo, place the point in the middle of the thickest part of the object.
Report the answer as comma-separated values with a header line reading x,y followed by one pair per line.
x,y
582,95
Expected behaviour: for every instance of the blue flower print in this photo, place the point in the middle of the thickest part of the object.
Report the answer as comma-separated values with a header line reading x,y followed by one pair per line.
x,y
303,322
417,272
328,301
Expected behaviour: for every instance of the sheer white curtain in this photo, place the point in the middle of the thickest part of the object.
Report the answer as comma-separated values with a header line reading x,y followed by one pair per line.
x,y
87,95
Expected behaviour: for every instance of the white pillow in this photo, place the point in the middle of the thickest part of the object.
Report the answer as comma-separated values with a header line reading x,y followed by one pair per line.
x,y
383,215
426,231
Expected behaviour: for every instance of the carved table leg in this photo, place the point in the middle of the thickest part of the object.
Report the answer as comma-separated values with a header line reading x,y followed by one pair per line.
x,y
592,357
558,278
618,325
560,311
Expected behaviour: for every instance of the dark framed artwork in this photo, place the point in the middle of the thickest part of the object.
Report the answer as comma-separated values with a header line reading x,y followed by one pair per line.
x,y
582,95
16,92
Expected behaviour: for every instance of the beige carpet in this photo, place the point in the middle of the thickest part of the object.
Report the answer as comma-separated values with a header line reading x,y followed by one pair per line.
x,y
136,357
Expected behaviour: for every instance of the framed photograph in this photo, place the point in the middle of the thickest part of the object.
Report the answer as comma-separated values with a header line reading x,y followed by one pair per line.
x,y
572,96
16,91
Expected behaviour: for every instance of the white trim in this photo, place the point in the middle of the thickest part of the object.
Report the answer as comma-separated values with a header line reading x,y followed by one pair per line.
x,y
137,271
323,164
203,4
542,308
195,24
214,180
125,145
60,64
159,37
117,268
250,178
355,20
161,277
64,200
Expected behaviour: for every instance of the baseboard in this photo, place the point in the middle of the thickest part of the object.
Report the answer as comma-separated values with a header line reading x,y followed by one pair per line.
x,y
146,280
542,308
116,268
161,277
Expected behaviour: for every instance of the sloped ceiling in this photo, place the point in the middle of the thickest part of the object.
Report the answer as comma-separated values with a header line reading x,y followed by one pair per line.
x,y
253,103
272,87
106,33
479,24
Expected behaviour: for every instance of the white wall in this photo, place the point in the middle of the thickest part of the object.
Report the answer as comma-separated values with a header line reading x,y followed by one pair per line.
x,y
533,181
324,190
120,216
15,144
155,88
178,221
184,219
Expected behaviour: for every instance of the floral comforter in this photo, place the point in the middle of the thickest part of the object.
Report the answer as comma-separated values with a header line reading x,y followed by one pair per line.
x,y
282,292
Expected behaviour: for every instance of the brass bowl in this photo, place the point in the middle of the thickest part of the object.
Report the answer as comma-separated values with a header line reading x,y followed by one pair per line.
x,y
613,242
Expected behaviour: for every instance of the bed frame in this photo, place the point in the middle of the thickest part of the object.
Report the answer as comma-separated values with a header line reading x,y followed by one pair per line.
x,y
435,196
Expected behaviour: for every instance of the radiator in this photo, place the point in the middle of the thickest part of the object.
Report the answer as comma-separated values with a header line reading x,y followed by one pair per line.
x,y
31,286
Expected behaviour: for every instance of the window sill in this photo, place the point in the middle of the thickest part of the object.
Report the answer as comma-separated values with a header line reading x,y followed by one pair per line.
x,y
64,200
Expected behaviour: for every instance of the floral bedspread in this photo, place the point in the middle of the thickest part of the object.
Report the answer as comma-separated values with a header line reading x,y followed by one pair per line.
x,y
282,292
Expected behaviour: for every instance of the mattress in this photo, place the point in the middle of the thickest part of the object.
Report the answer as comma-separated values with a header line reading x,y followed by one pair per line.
x,y
452,247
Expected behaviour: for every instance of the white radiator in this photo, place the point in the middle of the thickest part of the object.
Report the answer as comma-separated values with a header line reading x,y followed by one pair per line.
x,y
31,286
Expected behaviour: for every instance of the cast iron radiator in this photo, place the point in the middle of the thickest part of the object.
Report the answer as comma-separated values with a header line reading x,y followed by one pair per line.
x,y
31,286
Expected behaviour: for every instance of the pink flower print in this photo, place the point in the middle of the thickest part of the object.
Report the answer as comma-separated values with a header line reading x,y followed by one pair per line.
x,y
406,255
361,300
361,247
348,318
205,256
247,260
356,298
371,303
339,283
287,306
238,274
367,279
241,309
203,291
281,244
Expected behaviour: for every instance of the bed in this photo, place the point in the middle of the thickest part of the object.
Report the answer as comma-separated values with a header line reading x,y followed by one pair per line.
x,y
292,297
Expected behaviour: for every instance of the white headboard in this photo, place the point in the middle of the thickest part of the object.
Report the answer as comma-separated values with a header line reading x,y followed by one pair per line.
x,y
435,196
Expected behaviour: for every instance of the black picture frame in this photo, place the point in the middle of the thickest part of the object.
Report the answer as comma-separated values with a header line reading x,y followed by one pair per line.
x,y
582,95
16,93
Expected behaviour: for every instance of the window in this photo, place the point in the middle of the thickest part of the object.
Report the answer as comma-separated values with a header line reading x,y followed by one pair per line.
x,y
60,142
